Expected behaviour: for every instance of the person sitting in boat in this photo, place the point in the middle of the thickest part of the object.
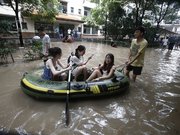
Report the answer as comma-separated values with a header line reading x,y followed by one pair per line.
x,y
67,39
51,71
104,71
78,63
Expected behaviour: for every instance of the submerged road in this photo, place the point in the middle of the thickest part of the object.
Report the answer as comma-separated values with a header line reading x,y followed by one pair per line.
x,y
151,106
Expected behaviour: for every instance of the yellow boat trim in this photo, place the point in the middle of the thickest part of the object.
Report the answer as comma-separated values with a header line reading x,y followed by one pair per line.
x,y
26,82
33,86
71,91
95,89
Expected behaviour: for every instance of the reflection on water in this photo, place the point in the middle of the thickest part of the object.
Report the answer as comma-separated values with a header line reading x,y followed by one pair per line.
x,y
150,107
168,67
118,112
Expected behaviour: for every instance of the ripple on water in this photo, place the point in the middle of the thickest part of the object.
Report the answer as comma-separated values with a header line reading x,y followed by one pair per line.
x,y
167,68
85,121
116,111
146,109
155,125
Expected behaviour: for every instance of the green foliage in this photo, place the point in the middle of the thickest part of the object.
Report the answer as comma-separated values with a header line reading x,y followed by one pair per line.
x,y
115,20
117,23
5,27
96,1
98,17
4,53
34,52
41,10
5,50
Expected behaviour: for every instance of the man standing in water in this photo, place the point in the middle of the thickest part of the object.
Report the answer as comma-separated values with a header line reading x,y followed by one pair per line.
x,y
46,43
135,61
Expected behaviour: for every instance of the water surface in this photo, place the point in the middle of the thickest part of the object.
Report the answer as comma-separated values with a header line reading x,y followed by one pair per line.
x,y
151,106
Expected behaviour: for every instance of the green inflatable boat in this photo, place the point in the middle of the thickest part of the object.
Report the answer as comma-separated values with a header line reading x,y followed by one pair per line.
x,y
32,84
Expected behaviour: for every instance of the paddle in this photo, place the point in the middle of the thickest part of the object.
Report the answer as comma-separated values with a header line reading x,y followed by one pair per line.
x,y
67,98
124,65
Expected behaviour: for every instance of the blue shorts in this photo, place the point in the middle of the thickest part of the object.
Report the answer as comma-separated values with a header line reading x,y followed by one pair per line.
x,y
136,70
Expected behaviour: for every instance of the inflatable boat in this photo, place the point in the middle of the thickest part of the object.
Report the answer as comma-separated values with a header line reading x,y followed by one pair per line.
x,y
34,85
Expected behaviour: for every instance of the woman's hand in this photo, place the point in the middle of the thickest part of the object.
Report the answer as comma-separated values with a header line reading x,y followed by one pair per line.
x,y
95,68
68,65
97,79
69,68
90,57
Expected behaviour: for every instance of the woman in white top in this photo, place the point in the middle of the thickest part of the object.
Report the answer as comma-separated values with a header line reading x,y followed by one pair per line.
x,y
104,71
78,63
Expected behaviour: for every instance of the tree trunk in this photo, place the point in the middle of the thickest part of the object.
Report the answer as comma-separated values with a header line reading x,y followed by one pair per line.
x,y
105,34
157,27
19,25
137,17
19,31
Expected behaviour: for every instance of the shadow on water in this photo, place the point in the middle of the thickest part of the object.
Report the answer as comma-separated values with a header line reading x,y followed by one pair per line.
x,y
149,106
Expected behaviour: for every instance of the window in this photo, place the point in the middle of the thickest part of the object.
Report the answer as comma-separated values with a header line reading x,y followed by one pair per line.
x,y
48,27
86,11
11,22
94,30
63,8
79,11
79,29
24,25
86,29
72,9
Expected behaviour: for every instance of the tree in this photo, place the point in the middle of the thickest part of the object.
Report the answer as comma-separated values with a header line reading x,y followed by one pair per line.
x,y
115,20
164,9
43,8
109,15
139,9
45,11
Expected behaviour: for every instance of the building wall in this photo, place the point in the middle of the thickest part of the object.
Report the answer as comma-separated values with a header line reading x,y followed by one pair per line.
x,y
28,28
29,31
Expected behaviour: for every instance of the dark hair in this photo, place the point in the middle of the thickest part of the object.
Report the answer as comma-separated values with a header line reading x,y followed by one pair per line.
x,y
40,28
79,48
54,51
109,66
141,29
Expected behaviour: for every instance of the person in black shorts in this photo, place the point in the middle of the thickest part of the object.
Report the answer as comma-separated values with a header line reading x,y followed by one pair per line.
x,y
135,61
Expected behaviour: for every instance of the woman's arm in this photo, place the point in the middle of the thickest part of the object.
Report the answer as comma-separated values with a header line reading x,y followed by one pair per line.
x,y
54,71
59,63
88,59
111,73
99,67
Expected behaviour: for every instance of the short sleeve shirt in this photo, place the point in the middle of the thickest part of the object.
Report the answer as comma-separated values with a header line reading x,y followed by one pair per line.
x,y
137,48
46,42
76,61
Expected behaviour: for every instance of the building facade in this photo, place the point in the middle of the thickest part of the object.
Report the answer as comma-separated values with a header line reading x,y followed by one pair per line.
x,y
70,17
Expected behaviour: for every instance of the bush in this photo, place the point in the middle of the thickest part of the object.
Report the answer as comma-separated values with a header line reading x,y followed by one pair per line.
x,y
5,50
34,52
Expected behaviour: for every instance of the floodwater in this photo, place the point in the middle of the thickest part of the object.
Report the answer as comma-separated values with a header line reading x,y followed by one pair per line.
x,y
151,106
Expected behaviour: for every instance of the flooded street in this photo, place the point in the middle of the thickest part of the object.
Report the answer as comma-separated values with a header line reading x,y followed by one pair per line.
x,y
151,106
